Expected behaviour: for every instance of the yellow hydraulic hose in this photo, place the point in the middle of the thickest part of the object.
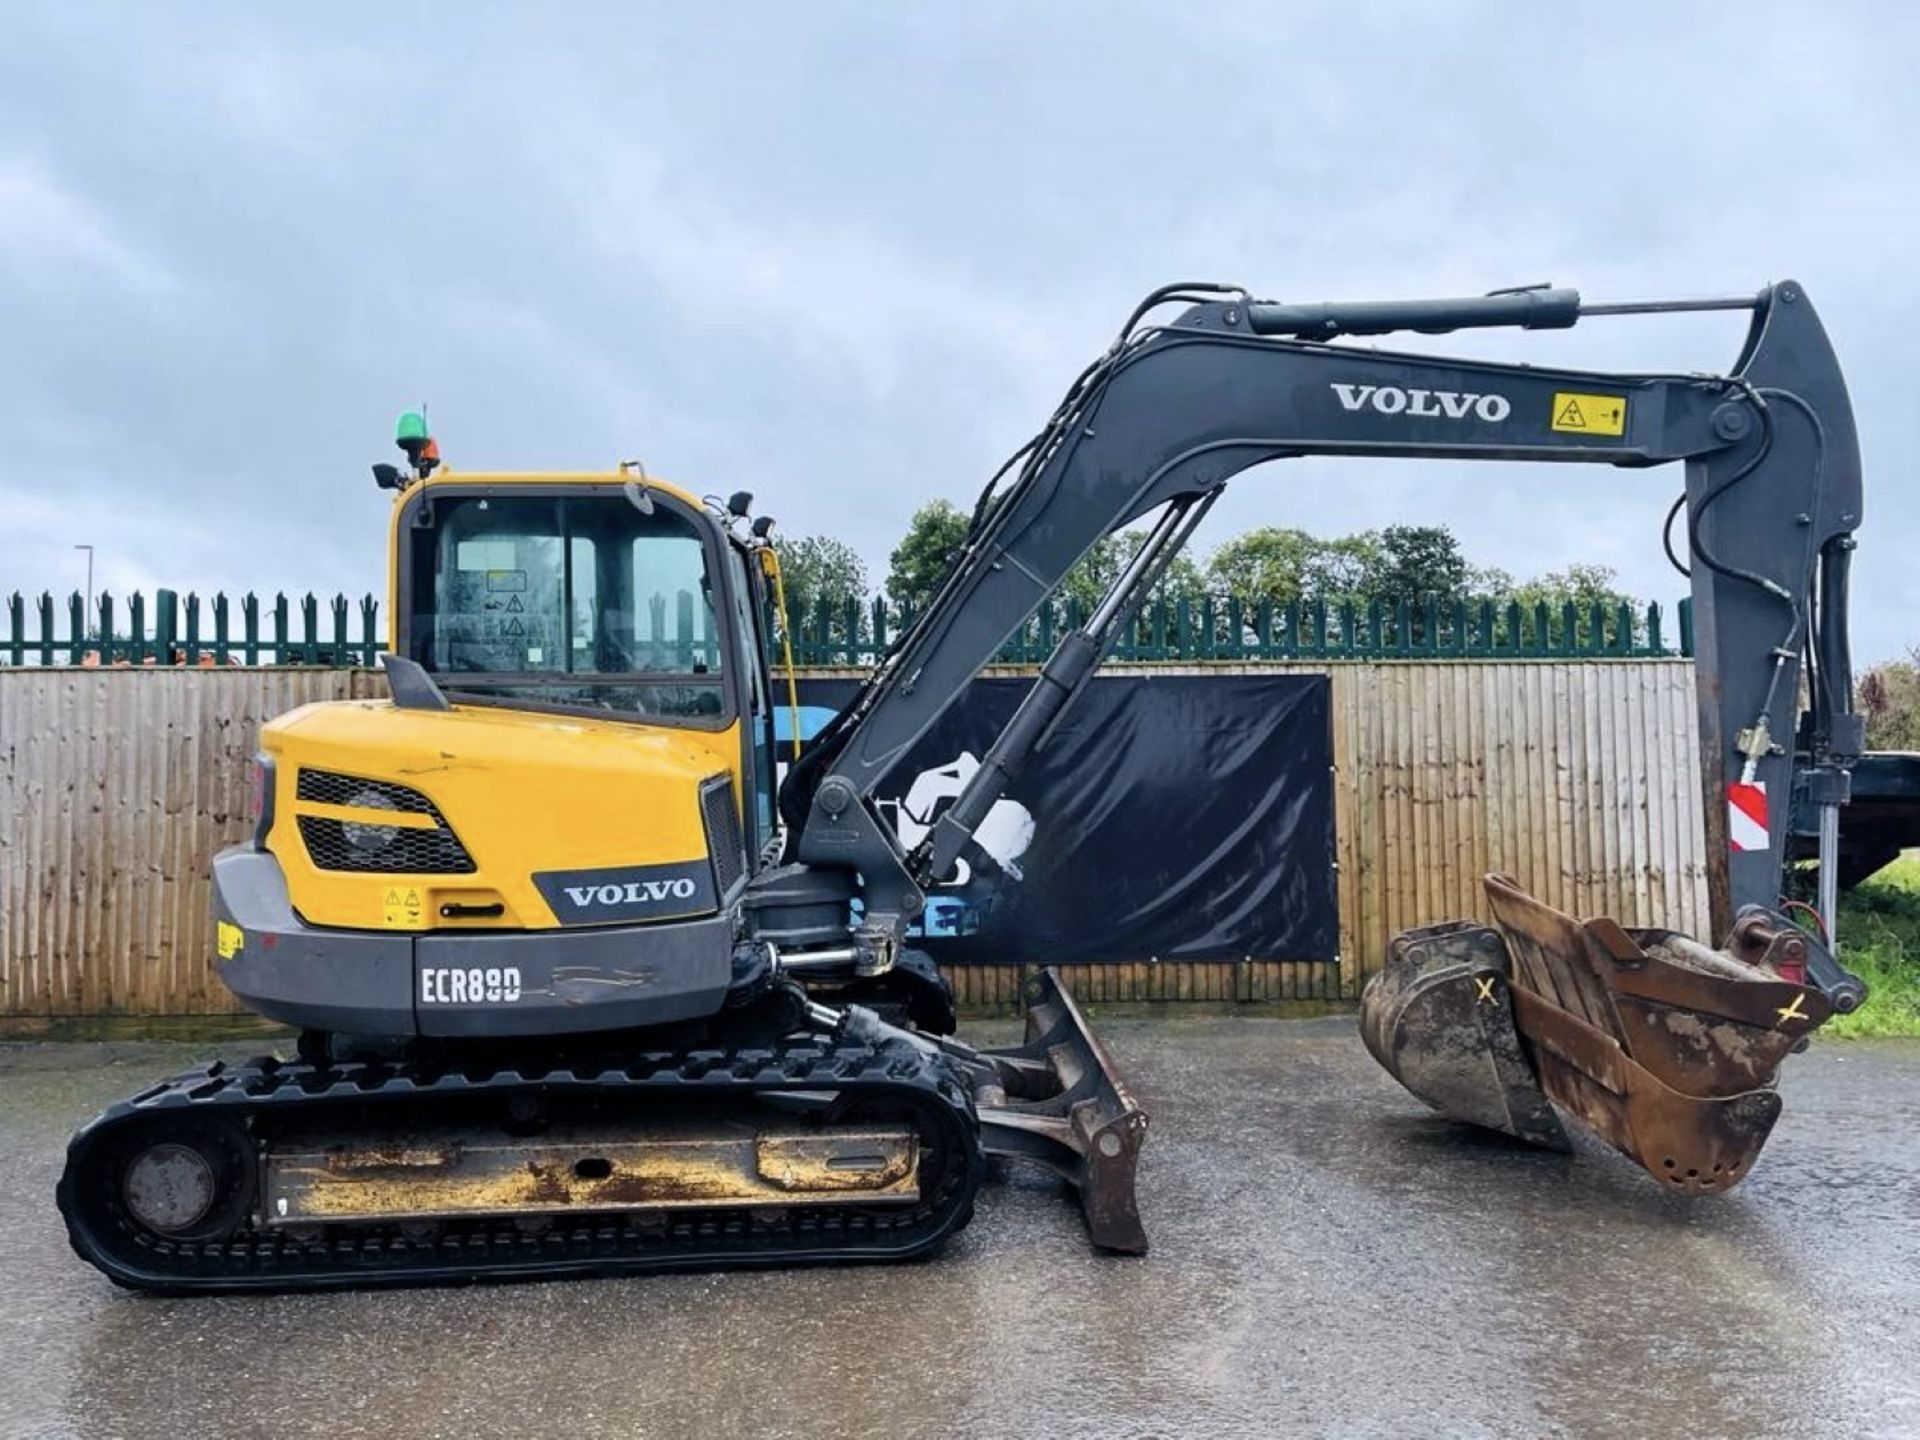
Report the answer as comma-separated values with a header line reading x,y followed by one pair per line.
x,y
770,563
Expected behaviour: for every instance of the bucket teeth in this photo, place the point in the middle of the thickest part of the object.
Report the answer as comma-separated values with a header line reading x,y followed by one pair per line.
x,y
1665,1049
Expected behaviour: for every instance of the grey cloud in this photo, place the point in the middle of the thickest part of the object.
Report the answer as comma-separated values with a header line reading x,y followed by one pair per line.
x,y
846,256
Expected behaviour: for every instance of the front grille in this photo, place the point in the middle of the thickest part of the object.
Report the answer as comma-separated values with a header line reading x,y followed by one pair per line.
x,y
325,787
381,850
724,840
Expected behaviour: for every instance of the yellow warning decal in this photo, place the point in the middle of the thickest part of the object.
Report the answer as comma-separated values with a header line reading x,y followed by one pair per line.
x,y
228,939
1589,414
401,908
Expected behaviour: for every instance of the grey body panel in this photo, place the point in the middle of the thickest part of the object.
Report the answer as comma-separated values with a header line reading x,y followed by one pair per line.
x,y
618,977
356,981
359,982
629,892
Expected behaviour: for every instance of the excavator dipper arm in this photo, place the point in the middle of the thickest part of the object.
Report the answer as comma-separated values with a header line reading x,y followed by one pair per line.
x,y
1668,1062
1168,415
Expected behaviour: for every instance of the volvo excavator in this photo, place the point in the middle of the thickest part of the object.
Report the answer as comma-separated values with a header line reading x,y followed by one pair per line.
x,y
583,986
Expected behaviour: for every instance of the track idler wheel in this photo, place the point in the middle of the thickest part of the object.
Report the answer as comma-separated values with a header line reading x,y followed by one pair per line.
x,y
190,1180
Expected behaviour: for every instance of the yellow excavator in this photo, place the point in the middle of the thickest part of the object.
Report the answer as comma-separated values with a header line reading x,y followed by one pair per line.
x,y
583,985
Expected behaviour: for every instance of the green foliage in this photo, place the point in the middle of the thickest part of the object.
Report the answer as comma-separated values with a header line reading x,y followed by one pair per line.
x,y
1089,580
1880,942
1417,561
1272,563
920,561
818,565
1889,697
1583,585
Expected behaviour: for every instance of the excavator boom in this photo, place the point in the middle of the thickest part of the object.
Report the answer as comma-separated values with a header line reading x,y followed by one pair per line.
x,y
1172,411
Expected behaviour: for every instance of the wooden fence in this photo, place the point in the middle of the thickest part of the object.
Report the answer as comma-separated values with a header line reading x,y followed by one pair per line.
x,y
1579,777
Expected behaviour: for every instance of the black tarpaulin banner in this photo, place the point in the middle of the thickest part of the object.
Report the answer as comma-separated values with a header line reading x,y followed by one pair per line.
x,y
1183,817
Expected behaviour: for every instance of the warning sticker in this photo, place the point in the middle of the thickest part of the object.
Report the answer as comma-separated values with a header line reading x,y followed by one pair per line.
x,y
1590,414
228,939
400,908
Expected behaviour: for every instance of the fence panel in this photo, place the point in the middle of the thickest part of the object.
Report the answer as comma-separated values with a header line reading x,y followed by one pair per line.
x,y
1579,777
116,788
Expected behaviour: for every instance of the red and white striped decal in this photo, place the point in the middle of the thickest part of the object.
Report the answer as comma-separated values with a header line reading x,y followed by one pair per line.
x,y
1747,815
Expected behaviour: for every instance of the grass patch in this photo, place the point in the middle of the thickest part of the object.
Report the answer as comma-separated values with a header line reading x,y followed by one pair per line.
x,y
1880,942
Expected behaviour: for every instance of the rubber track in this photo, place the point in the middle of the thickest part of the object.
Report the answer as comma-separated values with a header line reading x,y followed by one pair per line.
x,y
365,1255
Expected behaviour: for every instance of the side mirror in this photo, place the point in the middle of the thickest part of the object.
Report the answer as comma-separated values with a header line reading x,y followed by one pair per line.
x,y
763,527
739,503
388,477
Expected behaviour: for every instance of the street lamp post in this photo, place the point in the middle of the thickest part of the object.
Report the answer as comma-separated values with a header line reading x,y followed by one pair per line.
x,y
88,611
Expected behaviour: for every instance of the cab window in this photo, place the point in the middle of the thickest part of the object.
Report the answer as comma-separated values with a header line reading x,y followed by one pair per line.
x,y
570,600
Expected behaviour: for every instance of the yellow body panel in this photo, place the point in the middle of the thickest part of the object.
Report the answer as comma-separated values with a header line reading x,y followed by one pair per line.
x,y
524,792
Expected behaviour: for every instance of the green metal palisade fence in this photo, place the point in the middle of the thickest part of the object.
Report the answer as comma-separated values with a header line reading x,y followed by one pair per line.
x,y
175,631
854,632
184,630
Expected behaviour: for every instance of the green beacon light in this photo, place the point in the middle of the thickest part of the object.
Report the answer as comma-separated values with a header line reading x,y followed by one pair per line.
x,y
411,434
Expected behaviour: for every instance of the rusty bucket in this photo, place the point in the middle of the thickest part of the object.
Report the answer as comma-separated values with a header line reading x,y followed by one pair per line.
x,y
1664,1048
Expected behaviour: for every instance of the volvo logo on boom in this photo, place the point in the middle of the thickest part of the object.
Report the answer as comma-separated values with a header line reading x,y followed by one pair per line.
x,y
1433,404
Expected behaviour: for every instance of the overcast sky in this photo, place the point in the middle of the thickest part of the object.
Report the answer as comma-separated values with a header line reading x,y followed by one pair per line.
x,y
848,256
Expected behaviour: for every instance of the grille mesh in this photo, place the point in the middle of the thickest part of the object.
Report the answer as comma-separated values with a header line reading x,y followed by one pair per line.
x,y
724,840
409,852
326,787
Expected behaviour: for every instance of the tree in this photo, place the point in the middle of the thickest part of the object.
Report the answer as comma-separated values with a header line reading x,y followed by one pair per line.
x,y
819,565
1417,561
920,562
1277,564
1890,699
1093,575
1584,586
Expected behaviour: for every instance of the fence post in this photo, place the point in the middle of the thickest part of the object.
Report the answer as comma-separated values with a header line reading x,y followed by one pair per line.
x,y
193,628
222,635
16,628
106,624
370,631
1686,627
74,638
250,623
1654,644
342,638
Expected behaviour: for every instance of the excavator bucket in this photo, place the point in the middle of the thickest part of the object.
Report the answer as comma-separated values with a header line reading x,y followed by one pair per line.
x,y
1058,1100
1664,1048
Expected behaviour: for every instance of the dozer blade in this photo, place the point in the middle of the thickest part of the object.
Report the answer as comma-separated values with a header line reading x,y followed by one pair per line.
x,y
1058,1100
1664,1048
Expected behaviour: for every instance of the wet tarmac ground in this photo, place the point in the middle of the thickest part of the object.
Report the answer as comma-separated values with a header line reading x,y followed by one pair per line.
x,y
1329,1259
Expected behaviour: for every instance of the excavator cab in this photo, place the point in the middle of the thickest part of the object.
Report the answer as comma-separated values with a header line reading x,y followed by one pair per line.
x,y
596,596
